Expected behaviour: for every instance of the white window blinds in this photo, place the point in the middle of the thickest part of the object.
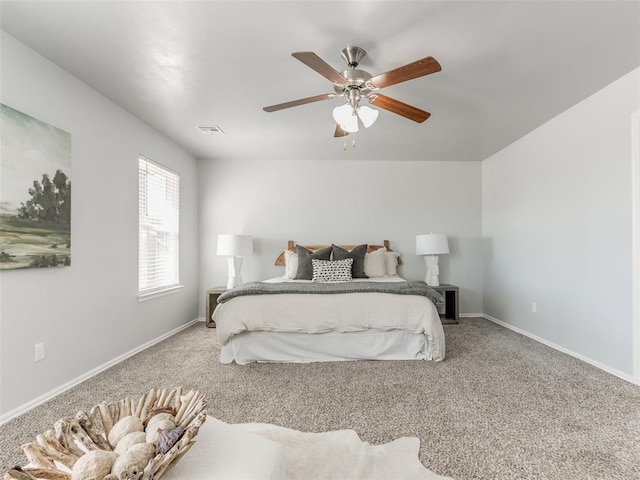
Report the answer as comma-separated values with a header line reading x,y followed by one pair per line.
x,y
158,228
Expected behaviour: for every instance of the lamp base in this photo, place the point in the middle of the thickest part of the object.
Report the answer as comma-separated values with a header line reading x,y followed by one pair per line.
x,y
433,270
234,278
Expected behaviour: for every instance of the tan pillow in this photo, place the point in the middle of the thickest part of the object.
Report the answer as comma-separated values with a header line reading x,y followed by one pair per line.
x,y
290,264
374,263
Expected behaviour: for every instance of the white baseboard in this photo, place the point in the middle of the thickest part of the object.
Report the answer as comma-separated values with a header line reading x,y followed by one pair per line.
x,y
624,376
57,391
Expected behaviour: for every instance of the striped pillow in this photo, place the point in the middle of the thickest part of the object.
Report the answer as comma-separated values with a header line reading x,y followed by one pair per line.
x,y
332,271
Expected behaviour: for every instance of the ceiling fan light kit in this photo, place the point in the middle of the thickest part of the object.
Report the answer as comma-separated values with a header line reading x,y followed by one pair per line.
x,y
357,84
345,116
367,115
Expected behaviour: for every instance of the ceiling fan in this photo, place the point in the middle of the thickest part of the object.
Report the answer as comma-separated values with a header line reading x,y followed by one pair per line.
x,y
356,85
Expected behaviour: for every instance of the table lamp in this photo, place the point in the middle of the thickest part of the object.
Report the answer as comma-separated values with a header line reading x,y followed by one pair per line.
x,y
234,247
431,245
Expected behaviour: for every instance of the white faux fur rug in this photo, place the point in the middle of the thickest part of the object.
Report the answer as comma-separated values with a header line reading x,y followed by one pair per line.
x,y
340,455
259,451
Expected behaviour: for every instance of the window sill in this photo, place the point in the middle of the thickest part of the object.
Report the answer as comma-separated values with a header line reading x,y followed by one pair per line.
x,y
159,292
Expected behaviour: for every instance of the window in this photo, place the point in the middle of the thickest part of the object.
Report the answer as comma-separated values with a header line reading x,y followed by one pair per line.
x,y
158,229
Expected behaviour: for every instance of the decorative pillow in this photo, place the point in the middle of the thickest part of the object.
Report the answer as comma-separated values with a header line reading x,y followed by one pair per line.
x,y
390,263
290,264
332,271
305,267
374,263
357,253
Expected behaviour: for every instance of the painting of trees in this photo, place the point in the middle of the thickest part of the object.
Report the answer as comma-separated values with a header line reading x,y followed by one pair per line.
x,y
50,200
35,193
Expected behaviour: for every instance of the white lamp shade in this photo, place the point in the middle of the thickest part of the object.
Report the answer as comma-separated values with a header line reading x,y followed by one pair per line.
x,y
432,244
344,116
232,245
367,115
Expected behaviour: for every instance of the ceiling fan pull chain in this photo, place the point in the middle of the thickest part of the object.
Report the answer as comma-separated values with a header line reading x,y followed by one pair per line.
x,y
353,142
344,142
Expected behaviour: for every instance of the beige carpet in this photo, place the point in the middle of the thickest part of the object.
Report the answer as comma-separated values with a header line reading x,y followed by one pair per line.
x,y
500,407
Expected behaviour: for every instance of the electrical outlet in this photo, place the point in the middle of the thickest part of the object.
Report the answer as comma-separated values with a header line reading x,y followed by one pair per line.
x,y
38,350
534,307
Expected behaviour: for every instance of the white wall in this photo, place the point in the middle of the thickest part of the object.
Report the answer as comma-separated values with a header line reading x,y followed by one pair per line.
x,y
557,229
88,314
344,201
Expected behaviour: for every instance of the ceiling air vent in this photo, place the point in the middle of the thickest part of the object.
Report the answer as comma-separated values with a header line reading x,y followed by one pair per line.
x,y
213,130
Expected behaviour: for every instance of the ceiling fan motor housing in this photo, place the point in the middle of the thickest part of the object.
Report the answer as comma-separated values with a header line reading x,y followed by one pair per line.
x,y
356,79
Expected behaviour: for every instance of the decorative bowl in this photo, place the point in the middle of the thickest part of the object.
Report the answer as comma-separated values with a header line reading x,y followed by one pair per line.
x,y
56,451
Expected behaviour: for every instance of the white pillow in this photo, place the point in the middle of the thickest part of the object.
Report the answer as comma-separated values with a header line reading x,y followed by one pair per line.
x,y
390,263
290,264
332,270
374,263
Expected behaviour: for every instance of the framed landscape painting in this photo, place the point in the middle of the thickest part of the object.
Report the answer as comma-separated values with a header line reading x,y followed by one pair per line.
x,y
35,193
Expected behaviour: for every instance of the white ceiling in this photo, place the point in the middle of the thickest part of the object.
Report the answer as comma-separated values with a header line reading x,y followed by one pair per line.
x,y
507,67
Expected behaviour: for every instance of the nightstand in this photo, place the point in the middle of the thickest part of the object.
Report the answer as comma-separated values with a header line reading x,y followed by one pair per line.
x,y
211,301
451,305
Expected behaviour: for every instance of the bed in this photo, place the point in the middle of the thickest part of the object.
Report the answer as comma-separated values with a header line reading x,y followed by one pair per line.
x,y
334,303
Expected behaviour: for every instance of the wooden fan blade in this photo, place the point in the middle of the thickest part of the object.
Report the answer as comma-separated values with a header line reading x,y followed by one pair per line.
x,y
340,132
302,101
313,61
419,68
396,106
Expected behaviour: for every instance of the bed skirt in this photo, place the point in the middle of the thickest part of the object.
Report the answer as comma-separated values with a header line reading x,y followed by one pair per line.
x,y
275,347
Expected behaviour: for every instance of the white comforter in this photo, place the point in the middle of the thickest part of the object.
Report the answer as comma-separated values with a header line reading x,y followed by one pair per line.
x,y
311,313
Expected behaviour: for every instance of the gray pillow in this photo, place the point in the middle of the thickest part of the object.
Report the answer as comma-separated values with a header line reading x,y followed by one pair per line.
x,y
358,253
305,266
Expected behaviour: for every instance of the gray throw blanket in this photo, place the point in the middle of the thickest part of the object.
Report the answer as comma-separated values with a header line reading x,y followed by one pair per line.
x,y
414,287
